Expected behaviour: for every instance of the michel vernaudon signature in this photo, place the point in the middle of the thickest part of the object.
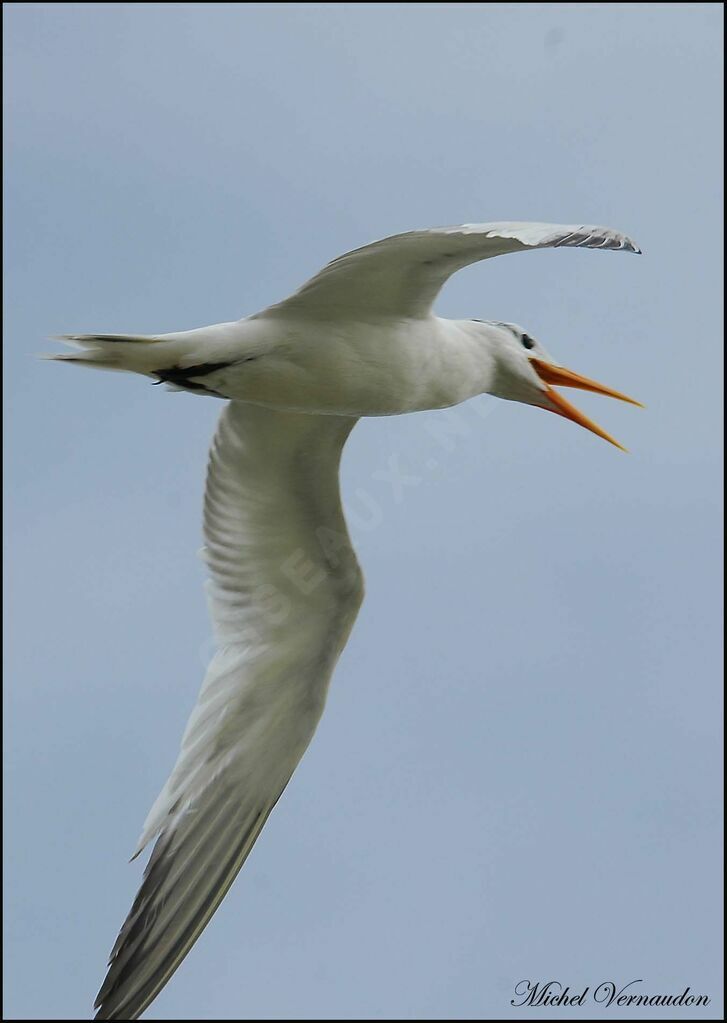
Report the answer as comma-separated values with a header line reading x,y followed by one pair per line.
x,y
528,992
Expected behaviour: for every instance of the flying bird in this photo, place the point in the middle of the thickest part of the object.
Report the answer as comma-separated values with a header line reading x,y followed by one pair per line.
x,y
360,338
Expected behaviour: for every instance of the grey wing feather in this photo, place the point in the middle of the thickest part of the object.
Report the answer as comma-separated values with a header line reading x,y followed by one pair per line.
x,y
272,504
401,276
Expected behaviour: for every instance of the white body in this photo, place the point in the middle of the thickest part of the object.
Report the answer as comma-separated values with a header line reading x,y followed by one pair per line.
x,y
344,368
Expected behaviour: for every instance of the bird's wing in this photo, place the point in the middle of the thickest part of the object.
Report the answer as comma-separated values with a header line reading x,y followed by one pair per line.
x,y
284,592
401,276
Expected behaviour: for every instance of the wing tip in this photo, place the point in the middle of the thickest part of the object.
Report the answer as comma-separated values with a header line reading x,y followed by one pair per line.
x,y
597,238
629,245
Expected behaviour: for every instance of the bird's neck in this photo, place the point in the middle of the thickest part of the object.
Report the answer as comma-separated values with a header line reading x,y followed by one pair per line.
x,y
460,362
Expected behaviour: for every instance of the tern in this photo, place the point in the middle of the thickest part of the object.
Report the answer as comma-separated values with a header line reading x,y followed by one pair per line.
x,y
359,339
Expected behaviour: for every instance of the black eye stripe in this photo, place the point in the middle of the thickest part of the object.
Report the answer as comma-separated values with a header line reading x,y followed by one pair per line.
x,y
525,340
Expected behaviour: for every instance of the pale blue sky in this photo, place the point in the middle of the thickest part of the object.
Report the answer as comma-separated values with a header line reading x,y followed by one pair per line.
x,y
517,775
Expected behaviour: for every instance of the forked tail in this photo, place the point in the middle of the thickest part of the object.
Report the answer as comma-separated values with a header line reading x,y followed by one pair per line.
x,y
126,352
169,359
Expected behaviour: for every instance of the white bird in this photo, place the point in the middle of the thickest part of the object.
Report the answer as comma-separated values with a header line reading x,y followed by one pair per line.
x,y
358,339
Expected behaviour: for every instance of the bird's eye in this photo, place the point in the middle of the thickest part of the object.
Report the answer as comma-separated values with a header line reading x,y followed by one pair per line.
x,y
527,342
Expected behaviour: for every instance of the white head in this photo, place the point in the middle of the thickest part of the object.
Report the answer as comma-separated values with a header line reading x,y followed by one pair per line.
x,y
522,370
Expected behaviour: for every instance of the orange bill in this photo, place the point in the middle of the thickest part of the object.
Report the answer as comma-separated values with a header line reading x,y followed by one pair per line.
x,y
551,374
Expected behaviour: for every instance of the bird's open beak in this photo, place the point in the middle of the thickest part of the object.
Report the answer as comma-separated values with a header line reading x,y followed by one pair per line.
x,y
551,374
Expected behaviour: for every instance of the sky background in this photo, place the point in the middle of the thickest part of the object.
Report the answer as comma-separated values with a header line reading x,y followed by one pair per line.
x,y
518,771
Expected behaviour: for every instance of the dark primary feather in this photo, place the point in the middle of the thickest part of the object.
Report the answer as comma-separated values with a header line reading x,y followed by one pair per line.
x,y
189,873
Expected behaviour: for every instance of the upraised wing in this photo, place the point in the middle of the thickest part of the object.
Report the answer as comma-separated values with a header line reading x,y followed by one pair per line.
x,y
284,593
401,276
